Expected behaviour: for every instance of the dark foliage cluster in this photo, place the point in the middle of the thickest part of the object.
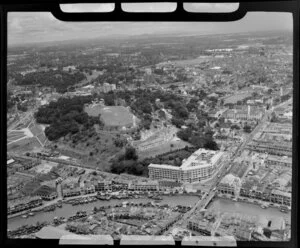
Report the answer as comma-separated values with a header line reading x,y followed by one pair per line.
x,y
198,139
65,116
59,80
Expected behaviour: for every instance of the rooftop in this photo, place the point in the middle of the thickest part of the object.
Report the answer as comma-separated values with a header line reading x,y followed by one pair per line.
x,y
201,158
282,193
230,179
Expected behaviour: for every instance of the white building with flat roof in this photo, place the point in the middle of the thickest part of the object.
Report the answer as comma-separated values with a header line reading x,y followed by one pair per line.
x,y
199,166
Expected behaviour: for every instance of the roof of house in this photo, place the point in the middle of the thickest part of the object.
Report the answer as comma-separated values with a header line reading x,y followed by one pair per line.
x,y
229,179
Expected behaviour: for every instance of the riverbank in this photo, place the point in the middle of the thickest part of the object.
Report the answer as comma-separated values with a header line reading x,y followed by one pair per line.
x,y
67,210
254,202
223,205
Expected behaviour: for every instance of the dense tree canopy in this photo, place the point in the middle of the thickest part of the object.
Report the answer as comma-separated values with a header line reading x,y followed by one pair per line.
x,y
58,79
65,116
198,139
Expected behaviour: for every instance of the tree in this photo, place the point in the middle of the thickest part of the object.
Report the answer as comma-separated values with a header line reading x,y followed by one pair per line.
x,y
109,100
130,153
247,128
177,122
184,134
211,145
235,126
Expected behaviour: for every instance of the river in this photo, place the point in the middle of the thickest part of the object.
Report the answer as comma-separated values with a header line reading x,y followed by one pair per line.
x,y
68,210
226,205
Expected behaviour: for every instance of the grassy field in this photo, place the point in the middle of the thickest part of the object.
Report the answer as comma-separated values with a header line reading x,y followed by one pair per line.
x,y
112,115
189,62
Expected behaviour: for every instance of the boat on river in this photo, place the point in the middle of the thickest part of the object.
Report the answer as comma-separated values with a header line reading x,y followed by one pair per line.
x,y
31,214
283,209
264,205
24,216
102,197
49,208
157,198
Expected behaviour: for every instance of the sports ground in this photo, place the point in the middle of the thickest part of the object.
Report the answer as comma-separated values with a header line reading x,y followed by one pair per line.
x,y
117,116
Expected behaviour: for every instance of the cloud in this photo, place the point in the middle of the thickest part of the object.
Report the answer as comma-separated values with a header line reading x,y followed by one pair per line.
x,y
27,27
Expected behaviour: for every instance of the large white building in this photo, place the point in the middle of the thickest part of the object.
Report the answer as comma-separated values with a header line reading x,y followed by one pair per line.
x,y
199,166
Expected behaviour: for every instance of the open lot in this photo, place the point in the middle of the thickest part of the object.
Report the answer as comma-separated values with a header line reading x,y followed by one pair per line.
x,y
166,147
15,135
189,62
45,167
26,144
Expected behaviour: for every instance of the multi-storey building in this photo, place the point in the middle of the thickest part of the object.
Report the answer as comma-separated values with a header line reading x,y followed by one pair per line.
x,y
120,185
103,186
169,184
145,186
202,226
279,160
199,166
281,197
46,193
276,148
71,192
230,184
250,113
88,189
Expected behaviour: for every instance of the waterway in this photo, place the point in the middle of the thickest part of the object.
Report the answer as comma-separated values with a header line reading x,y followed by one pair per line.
x,y
226,205
68,210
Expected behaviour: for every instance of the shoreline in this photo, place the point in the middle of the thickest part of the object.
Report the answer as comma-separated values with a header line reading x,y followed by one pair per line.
x,y
246,200
64,202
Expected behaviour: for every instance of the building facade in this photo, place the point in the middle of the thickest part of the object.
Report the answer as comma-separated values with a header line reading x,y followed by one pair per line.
x,y
199,166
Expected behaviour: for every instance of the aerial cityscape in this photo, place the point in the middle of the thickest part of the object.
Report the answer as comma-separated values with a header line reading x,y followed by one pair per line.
x,y
151,135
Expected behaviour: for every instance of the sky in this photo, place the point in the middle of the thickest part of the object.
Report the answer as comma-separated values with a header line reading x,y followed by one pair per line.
x,y
32,27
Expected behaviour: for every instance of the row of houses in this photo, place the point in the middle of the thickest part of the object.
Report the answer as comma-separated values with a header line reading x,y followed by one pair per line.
x,y
232,185
250,113
19,166
24,204
104,186
274,148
